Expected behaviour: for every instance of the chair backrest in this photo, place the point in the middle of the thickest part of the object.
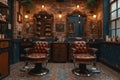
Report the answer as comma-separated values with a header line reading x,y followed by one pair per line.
x,y
40,46
80,46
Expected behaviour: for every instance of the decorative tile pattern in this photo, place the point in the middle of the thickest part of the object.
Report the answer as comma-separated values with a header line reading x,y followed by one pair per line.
x,y
58,71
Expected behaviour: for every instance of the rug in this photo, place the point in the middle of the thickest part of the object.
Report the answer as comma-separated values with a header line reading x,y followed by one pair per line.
x,y
57,71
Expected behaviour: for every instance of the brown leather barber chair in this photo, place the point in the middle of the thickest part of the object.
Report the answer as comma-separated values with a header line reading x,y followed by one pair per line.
x,y
82,58
38,57
26,47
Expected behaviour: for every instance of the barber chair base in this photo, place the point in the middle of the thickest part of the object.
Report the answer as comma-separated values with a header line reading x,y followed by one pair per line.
x,y
41,72
82,70
38,70
79,72
24,69
95,70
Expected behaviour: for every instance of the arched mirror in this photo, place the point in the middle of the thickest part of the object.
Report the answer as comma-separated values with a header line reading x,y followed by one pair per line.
x,y
75,24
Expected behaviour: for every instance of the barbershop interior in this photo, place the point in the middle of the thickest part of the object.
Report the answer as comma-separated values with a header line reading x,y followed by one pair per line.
x,y
59,39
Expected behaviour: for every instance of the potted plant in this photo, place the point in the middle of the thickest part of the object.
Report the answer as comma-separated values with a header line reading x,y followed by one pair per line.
x,y
91,2
27,3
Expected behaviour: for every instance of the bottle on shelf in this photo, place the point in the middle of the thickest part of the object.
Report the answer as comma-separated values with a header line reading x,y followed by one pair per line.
x,y
113,39
5,2
2,34
117,38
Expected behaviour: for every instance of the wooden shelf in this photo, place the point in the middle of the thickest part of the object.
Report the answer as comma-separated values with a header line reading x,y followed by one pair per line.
x,y
1,21
4,18
3,5
118,43
44,24
5,39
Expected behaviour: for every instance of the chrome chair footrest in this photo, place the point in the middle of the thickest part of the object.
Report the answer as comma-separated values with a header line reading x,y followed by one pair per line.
x,y
95,70
40,72
79,72
25,68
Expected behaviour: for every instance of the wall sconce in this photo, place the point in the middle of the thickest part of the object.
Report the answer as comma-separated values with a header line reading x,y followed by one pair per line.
x,y
60,14
26,16
77,6
43,6
94,16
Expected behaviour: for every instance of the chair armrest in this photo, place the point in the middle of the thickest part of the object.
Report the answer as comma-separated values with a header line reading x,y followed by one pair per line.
x,y
48,53
73,50
92,50
29,50
48,50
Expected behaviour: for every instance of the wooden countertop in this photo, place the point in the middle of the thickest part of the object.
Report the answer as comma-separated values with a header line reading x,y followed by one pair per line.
x,y
5,39
118,43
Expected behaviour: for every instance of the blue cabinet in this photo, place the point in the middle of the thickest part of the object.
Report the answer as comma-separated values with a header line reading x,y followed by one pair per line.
x,y
14,51
110,54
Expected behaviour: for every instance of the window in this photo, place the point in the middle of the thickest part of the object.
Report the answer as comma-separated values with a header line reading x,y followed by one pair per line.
x,y
118,12
118,3
113,6
118,23
111,0
118,32
113,25
114,18
113,15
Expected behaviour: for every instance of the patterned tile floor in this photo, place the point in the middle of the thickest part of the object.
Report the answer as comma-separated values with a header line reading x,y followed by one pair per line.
x,y
58,71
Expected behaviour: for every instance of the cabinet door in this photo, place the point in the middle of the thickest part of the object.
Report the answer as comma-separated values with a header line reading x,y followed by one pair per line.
x,y
70,56
55,55
59,52
4,64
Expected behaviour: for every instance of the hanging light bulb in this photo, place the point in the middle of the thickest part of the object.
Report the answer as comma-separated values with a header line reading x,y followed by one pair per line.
x,y
94,16
60,14
43,6
26,16
77,6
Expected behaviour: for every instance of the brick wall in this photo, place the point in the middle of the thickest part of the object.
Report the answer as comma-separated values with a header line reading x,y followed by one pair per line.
x,y
68,6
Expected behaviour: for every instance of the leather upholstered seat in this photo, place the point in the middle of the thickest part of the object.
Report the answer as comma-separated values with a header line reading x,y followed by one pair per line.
x,y
82,57
40,55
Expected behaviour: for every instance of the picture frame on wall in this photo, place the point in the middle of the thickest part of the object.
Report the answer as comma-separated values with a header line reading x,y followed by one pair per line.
x,y
60,27
19,17
71,27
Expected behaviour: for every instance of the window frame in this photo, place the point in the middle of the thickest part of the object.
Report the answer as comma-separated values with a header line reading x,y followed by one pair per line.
x,y
115,19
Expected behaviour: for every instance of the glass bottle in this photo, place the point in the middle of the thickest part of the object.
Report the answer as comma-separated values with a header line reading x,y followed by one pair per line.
x,y
117,38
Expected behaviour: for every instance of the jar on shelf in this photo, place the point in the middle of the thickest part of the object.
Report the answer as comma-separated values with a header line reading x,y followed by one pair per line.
x,y
4,17
0,16
117,38
113,39
2,36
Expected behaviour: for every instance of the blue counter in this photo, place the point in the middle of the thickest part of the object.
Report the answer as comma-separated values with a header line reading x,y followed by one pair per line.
x,y
110,54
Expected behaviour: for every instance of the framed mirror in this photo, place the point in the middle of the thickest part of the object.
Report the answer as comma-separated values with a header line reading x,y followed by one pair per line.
x,y
71,27
59,27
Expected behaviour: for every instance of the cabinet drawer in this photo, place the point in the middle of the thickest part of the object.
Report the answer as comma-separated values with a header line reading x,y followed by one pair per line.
x,y
4,44
4,64
59,52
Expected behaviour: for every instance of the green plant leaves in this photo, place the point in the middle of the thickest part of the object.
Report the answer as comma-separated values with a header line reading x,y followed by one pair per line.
x,y
27,3
91,2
